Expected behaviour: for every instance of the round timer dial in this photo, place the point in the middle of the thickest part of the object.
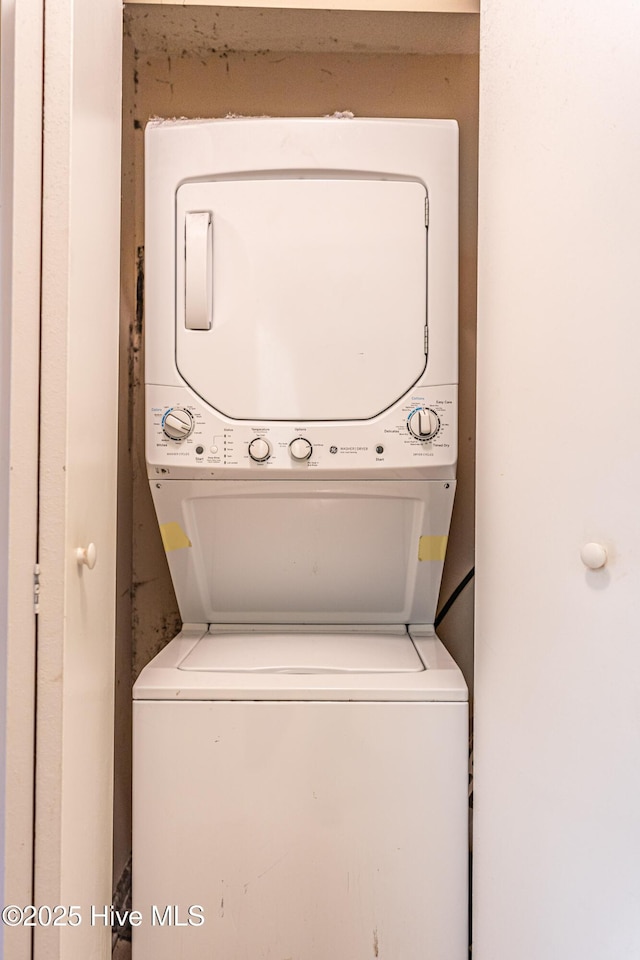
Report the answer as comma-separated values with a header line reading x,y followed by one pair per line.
x,y
423,423
300,448
177,424
259,449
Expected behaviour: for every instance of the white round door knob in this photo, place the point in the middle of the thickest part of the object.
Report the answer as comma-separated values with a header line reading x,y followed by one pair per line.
x,y
87,556
593,555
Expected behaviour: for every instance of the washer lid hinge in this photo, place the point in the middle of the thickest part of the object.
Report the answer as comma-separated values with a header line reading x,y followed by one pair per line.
x,y
36,588
426,211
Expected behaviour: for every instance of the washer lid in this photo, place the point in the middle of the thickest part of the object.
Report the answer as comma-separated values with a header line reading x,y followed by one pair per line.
x,y
301,299
294,651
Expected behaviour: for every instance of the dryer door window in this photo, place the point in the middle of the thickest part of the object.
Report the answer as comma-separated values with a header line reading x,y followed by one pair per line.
x,y
301,299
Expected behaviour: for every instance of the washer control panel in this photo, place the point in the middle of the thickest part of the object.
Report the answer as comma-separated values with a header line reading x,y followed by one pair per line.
x,y
415,437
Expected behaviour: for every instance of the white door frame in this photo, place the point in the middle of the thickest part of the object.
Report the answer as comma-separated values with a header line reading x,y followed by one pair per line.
x,y
20,230
78,448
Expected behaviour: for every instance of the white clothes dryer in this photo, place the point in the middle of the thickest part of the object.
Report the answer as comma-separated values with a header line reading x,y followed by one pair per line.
x,y
300,749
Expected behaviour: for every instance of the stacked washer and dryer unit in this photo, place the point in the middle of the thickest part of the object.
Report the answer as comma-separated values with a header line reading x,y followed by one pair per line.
x,y
300,748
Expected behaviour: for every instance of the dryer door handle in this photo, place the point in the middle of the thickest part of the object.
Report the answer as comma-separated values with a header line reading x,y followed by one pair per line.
x,y
198,270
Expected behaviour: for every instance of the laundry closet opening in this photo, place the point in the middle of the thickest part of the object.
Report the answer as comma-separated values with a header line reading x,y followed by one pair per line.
x,y
213,62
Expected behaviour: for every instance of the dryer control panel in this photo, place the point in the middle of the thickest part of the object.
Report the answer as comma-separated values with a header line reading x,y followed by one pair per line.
x,y
416,437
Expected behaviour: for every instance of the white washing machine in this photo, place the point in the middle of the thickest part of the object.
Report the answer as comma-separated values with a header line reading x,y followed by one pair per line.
x,y
300,749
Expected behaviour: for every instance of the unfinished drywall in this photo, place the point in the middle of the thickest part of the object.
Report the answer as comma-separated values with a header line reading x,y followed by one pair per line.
x,y
187,68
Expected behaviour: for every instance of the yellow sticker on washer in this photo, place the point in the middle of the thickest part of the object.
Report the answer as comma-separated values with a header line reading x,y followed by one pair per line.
x,y
173,537
432,548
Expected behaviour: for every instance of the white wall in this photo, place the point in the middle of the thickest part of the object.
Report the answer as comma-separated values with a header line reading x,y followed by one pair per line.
x,y
557,829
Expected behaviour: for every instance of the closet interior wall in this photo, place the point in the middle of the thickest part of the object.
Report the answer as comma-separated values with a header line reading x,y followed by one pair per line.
x,y
210,62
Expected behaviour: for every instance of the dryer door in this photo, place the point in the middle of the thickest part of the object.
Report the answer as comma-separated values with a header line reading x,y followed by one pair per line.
x,y
301,299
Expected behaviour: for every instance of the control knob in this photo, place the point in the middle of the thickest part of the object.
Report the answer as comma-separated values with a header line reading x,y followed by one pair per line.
x,y
424,423
300,448
259,449
177,424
